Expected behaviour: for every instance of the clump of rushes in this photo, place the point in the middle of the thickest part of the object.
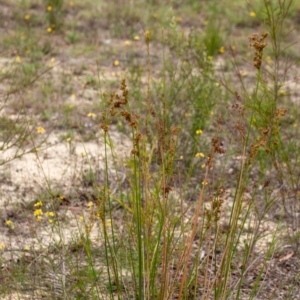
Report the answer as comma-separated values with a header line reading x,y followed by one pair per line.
x,y
144,207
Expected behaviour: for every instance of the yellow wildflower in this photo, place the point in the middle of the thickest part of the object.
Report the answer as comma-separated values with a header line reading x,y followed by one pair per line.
x,y
90,205
199,131
116,63
244,73
49,29
203,166
9,224
199,154
38,204
136,38
91,115
2,246
252,14
222,50
26,17
49,8
127,43
204,182
49,214
18,59
282,92
38,212
269,59
68,139
40,129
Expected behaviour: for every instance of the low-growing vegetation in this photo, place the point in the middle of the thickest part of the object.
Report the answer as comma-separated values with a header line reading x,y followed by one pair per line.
x,y
149,149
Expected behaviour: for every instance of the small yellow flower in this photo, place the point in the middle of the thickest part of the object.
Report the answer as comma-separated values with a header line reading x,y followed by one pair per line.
x,y
199,154
136,38
49,29
204,182
269,59
108,223
90,205
222,50
38,204
49,8
38,212
282,92
91,115
61,197
217,84
212,113
127,43
233,47
81,218
203,166
68,139
39,218
9,224
116,63
49,214
209,57
26,248
18,59
181,157
40,129
26,17
252,14
155,15
73,96
37,149
199,131
244,73
2,246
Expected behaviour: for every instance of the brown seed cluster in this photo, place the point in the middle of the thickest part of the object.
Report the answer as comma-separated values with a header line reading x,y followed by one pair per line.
x,y
257,42
214,213
118,105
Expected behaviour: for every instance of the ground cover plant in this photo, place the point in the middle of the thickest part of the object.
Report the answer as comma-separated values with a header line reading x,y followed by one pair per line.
x,y
149,149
